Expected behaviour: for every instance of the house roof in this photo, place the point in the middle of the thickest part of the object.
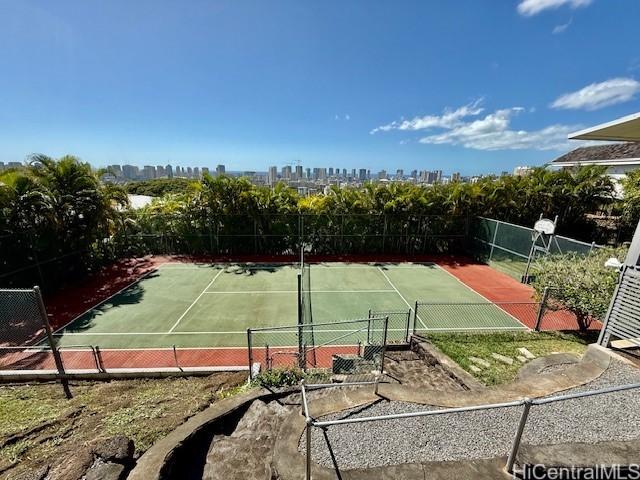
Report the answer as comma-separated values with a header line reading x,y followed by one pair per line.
x,y
626,129
614,153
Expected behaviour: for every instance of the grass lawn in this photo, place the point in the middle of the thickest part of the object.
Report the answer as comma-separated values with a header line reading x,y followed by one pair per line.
x,y
39,427
460,346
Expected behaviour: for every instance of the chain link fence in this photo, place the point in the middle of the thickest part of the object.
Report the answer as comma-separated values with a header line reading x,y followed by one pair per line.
x,y
399,324
546,314
508,247
351,346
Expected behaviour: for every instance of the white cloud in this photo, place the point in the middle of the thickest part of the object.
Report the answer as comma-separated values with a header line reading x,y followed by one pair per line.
x,y
533,7
561,28
491,132
347,117
448,119
599,95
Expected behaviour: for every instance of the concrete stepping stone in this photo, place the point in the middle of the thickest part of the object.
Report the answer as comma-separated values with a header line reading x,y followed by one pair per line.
x,y
502,358
526,353
521,359
475,369
480,361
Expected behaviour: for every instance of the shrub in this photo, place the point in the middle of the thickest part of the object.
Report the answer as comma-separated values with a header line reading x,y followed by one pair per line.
x,y
582,285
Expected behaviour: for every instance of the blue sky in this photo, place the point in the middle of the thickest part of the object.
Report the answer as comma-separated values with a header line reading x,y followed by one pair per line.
x,y
460,85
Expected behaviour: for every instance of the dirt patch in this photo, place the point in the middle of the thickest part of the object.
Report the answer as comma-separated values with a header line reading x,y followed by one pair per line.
x,y
412,368
41,430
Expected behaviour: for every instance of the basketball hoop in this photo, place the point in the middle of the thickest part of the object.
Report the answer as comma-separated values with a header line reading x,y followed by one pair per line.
x,y
545,226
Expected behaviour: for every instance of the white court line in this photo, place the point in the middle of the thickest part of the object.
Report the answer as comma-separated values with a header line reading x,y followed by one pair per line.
x,y
219,292
142,277
464,329
480,295
197,266
401,296
195,301
294,329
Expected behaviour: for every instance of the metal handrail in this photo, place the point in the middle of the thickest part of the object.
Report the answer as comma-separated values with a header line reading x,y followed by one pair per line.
x,y
526,402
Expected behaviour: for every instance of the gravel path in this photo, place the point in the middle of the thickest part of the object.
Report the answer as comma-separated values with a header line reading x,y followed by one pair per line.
x,y
481,434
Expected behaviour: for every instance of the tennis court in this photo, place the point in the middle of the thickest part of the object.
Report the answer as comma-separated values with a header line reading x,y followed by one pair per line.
x,y
192,305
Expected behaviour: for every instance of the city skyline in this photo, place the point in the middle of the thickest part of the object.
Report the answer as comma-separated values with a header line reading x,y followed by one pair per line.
x,y
488,85
298,175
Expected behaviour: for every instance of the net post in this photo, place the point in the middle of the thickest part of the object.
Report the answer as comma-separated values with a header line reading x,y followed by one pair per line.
x,y
516,441
250,354
56,354
415,317
301,353
541,309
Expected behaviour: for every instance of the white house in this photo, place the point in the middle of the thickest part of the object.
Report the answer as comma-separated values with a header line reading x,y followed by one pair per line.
x,y
618,158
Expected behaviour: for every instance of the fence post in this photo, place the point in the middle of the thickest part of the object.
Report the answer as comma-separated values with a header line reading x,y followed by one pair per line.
x,y
175,357
255,237
250,353
54,350
493,241
541,309
415,317
384,232
96,359
406,333
384,344
516,441
308,446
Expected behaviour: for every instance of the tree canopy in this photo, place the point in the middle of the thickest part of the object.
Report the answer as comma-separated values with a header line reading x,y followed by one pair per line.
x,y
58,208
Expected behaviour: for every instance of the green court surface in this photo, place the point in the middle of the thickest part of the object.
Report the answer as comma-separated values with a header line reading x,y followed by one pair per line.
x,y
191,305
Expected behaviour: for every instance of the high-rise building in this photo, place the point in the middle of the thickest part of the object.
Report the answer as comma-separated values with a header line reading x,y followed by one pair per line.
x,y
189,172
169,170
382,174
362,174
344,173
353,173
220,170
160,171
286,172
205,171
455,177
116,170
130,172
399,174
2,167
196,172
331,171
298,172
272,178
414,174
308,173
148,172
